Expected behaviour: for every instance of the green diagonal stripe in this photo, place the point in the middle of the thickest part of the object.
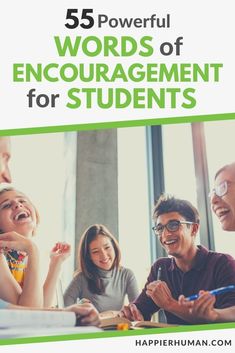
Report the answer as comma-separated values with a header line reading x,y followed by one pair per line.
x,y
108,334
117,124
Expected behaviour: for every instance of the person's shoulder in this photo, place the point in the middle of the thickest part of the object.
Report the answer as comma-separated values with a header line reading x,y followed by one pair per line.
x,y
220,256
161,262
126,271
165,263
79,276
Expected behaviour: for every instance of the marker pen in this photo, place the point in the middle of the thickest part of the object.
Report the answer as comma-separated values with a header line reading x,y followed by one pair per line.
x,y
80,301
213,292
159,274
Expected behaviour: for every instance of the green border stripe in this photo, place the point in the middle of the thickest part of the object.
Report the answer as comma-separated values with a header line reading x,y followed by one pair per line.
x,y
117,124
108,334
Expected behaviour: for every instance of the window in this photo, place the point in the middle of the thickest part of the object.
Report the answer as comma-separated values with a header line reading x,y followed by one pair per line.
x,y
179,162
39,167
133,204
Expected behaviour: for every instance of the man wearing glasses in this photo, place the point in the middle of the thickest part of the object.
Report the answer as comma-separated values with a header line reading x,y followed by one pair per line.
x,y
188,269
222,198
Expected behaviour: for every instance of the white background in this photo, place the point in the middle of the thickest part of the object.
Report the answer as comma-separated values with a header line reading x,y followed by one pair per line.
x,y
27,29
128,344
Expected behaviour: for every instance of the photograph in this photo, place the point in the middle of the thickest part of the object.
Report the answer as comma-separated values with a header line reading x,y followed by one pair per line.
x,y
132,223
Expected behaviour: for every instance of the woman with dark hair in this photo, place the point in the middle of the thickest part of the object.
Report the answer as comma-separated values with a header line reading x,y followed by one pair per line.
x,y
100,278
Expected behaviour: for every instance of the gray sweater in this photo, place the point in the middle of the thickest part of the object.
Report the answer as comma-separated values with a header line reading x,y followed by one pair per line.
x,y
117,283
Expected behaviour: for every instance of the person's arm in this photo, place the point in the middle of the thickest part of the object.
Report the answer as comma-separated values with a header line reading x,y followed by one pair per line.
x,y
225,315
11,290
203,310
131,312
73,291
59,254
208,308
144,303
160,293
143,306
31,294
87,313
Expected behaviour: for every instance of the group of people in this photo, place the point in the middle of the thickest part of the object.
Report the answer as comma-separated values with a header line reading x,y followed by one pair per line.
x,y
100,282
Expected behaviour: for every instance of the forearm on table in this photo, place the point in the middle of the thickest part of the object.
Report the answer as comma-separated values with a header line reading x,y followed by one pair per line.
x,y
179,310
226,314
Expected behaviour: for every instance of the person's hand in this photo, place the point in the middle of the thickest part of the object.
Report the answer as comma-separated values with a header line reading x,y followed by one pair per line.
x,y
185,303
131,312
87,314
83,300
160,293
202,309
60,252
15,241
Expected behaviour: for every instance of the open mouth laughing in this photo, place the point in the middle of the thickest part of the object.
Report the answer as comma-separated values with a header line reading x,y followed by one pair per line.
x,y
21,216
170,242
221,212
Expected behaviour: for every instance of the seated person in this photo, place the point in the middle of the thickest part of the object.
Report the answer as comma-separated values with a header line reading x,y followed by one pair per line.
x,y
100,278
189,269
19,258
222,199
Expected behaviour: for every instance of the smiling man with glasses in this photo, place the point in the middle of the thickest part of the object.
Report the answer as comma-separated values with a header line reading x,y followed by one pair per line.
x,y
222,197
188,269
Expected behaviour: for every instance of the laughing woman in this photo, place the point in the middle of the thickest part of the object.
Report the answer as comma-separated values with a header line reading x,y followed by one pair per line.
x,y
19,257
100,277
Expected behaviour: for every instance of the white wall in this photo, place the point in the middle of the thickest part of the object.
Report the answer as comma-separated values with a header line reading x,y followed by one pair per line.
x,y
38,170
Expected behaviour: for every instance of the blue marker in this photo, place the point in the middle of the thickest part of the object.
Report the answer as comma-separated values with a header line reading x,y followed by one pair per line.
x,y
213,292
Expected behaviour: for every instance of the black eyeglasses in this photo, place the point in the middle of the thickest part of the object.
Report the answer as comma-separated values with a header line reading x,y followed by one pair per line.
x,y
172,226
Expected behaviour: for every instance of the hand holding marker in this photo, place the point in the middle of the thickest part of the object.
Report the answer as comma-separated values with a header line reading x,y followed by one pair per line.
x,y
159,273
213,292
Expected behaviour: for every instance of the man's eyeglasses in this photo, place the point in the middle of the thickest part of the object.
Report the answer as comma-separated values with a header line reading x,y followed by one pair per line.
x,y
221,189
171,226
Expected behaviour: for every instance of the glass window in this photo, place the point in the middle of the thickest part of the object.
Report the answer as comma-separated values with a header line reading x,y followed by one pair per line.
x,y
179,161
133,202
39,168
